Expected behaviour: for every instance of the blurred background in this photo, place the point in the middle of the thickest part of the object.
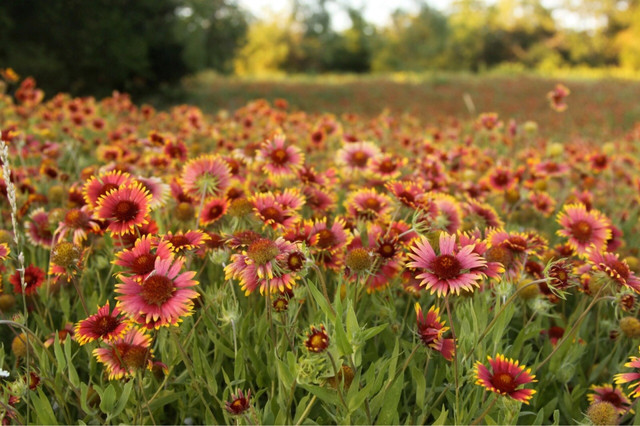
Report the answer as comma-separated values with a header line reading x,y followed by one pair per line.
x,y
93,47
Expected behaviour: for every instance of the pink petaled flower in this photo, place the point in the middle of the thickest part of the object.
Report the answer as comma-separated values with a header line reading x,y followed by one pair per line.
x,y
501,179
583,228
491,269
183,242
454,269
409,193
263,265
556,97
449,214
33,278
213,210
124,208
386,167
386,249
368,204
543,203
611,394
205,176
140,260
62,335
126,354
159,190
505,378
79,222
280,160
431,331
4,251
38,229
100,185
610,264
272,212
356,156
164,297
239,403
106,325
633,378
551,168
486,214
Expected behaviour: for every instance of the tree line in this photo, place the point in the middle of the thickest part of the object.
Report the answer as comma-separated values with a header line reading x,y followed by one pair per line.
x,y
93,47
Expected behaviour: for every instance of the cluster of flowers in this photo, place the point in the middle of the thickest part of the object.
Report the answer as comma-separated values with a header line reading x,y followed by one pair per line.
x,y
410,213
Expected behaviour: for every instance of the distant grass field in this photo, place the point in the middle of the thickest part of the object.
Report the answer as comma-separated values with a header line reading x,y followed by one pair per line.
x,y
598,108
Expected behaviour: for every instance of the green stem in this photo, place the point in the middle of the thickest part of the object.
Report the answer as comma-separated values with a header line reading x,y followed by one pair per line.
x,y
495,318
485,412
455,359
575,326
306,411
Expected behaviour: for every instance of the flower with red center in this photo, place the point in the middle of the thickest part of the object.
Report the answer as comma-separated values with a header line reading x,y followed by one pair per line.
x,y
272,212
128,239
105,325
501,179
207,175
551,168
317,339
239,403
556,97
78,221
163,298
543,203
4,251
61,335
263,265
409,193
633,378
489,121
611,394
124,208
583,228
279,159
505,377
512,248
183,242
213,210
491,269
368,204
431,331
355,157
33,278
126,354
448,214
158,190
482,215
100,185
38,228
617,269
385,167
454,269
139,261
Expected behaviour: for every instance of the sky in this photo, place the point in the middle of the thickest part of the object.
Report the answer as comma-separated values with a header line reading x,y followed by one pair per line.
x,y
379,12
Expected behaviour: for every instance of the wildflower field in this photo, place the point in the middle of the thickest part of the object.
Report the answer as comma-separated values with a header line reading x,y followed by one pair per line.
x,y
270,265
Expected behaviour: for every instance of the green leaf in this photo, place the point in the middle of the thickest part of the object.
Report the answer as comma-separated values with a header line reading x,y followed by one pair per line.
x,y
442,418
320,300
73,374
60,358
372,332
124,399
285,374
389,411
43,411
108,399
342,340
326,395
